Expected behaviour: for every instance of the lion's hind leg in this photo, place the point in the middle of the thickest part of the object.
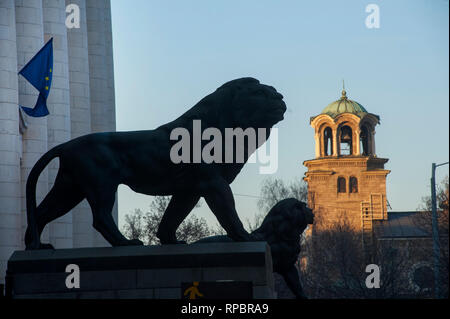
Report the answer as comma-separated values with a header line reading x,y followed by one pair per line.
x,y
59,201
102,202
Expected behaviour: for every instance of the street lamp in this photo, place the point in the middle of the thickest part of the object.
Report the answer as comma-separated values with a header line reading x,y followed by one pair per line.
x,y
436,243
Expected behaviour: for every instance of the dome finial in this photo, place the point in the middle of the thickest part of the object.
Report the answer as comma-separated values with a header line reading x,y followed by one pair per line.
x,y
344,93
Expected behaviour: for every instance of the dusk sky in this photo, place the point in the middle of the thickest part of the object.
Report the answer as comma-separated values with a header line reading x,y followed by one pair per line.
x,y
170,54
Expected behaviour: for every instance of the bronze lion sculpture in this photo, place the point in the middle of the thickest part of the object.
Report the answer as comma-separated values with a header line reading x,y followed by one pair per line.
x,y
281,229
92,166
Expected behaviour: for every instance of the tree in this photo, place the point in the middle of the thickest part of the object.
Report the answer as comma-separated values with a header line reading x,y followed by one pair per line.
x,y
275,189
134,228
423,220
272,191
254,223
143,226
334,262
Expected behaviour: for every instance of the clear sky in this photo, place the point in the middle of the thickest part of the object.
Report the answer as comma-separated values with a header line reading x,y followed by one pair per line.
x,y
170,54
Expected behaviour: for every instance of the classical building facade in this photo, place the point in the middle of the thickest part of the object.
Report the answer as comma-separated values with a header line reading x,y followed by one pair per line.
x,y
81,101
346,178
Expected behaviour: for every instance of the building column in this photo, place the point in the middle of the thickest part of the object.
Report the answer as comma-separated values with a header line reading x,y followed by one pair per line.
x,y
58,131
101,75
30,39
80,115
10,217
110,86
110,68
98,75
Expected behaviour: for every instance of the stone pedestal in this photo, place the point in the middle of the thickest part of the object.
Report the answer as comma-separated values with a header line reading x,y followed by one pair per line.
x,y
156,272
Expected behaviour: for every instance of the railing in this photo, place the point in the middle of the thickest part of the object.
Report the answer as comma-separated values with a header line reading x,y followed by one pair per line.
x,y
366,222
377,206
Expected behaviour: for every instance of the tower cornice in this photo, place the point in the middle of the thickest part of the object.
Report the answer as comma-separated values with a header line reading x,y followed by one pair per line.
x,y
370,162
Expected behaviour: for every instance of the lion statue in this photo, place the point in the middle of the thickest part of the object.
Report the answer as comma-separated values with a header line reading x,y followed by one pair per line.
x,y
92,166
281,229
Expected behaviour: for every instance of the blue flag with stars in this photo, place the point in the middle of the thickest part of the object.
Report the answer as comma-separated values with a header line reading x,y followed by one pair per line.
x,y
38,71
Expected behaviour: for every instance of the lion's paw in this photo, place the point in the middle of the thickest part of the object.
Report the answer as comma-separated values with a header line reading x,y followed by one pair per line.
x,y
46,246
133,242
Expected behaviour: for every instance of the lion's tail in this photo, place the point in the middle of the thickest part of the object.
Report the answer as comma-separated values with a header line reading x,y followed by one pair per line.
x,y
33,177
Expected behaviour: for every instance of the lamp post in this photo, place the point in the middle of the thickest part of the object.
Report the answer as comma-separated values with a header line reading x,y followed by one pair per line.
x,y
436,243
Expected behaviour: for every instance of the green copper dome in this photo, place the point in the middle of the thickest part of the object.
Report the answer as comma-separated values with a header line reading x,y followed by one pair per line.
x,y
344,105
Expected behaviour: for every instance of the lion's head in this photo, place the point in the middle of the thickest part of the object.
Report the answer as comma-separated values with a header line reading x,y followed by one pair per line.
x,y
286,221
282,228
253,104
241,103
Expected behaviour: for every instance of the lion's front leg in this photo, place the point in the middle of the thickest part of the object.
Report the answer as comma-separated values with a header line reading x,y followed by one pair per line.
x,y
221,202
179,207
292,280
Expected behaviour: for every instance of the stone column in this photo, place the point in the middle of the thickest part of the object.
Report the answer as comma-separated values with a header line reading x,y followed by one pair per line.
x,y
80,114
98,75
30,39
111,111
317,140
372,142
54,16
335,142
357,142
110,67
10,218
101,80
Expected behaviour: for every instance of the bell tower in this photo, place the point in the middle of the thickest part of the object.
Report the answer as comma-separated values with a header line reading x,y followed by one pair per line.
x,y
346,178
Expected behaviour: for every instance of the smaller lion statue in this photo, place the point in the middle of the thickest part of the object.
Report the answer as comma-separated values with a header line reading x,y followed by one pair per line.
x,y
281,229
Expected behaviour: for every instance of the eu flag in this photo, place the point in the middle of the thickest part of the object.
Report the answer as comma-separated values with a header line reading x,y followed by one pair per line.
x,y
38,71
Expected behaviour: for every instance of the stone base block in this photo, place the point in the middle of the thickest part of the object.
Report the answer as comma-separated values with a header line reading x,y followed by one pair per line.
x,y
139,272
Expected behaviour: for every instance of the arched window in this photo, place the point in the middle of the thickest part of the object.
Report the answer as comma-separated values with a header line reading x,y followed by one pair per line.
x,y
327,142
341,185
346,137
353,185
364,140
